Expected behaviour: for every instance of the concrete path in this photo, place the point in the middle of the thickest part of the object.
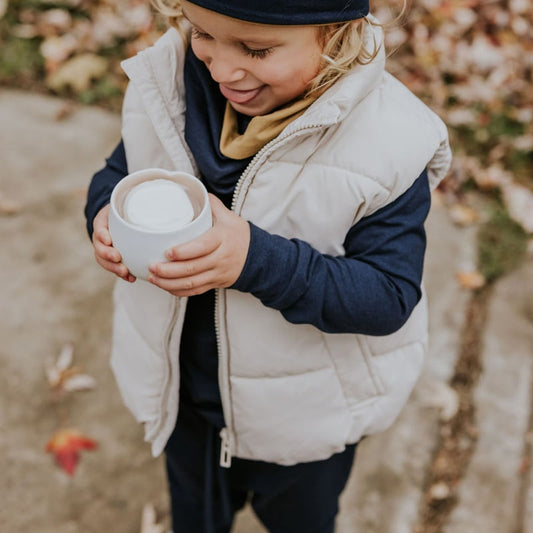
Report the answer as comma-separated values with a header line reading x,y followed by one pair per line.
x,y
53,292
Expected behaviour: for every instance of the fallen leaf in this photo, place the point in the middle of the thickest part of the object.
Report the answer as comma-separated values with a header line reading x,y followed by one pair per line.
x,y
463,215
56,49
8,207
65,357
65,111
519,6
79,382
471,280
3,8
149,520
77,73
59,19
461,116
438,394
25,31
519,202
439,491
62,376
66,445
525,463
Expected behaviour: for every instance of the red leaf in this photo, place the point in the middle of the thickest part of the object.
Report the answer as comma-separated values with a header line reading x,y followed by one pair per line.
x,y
66,445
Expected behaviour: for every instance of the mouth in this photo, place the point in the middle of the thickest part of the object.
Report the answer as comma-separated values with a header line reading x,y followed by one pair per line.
x,y
239,96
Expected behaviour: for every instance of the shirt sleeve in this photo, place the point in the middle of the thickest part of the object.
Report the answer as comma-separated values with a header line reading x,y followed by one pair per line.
x,y
371,290
103,182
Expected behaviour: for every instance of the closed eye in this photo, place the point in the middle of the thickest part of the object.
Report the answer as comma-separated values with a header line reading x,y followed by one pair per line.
x,y
197,34
257,53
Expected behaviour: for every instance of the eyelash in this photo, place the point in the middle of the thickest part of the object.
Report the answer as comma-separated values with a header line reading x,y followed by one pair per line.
x,y
256,54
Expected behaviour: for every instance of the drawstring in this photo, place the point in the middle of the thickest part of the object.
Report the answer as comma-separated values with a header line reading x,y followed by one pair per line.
x,y
211,461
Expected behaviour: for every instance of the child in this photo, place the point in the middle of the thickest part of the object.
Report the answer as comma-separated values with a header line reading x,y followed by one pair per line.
x,y
297,324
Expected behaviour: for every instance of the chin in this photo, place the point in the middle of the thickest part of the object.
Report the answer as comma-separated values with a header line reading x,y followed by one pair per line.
x,y
254,109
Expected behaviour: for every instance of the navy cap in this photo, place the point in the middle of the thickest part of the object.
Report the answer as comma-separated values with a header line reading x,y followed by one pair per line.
x,y
288,12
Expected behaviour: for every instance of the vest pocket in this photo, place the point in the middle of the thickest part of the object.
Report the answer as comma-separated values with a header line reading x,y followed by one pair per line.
x,y
356,370
290,419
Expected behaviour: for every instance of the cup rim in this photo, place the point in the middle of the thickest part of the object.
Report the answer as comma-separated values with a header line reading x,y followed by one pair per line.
x,y
164,173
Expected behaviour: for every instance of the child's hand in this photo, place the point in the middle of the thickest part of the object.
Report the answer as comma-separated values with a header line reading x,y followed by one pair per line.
x,y
213,260
106,256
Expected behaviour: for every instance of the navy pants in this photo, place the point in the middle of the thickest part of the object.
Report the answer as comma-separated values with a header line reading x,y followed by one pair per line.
x,y
287,499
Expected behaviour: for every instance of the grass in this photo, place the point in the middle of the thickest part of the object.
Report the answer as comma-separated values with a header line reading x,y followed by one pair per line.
x,y
502,243
20,59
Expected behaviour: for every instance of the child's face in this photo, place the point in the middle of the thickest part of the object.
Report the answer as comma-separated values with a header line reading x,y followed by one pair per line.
x,y
258,67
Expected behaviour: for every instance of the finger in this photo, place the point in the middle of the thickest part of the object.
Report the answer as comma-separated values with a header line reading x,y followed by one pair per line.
x,y
192,292
185,286
106,252
102,234
183,269
101,225
119,269
199,247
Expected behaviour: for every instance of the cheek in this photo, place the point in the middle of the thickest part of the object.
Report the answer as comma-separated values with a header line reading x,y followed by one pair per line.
x,y
297,81
199,49
288,74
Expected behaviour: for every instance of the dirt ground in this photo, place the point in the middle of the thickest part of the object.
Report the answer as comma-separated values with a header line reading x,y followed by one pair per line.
x,y
53,292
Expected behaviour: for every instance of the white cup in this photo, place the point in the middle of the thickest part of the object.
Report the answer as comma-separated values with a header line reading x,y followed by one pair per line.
x,y
141,247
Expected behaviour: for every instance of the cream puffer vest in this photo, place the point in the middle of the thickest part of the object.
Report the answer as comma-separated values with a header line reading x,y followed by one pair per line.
x,y
290,393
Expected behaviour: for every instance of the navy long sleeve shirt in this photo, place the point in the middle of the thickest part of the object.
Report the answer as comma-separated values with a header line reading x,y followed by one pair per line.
x,y
370,290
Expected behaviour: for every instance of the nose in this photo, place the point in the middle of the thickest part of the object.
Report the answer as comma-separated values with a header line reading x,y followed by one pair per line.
x,y
224,67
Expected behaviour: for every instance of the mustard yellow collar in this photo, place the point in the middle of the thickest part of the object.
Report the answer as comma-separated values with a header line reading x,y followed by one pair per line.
x,y
260,131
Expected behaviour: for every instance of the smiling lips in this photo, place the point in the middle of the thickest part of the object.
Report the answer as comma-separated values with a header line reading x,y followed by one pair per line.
x,y
239,97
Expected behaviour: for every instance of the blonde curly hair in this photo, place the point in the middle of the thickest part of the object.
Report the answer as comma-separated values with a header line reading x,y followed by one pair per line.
x,y
343,43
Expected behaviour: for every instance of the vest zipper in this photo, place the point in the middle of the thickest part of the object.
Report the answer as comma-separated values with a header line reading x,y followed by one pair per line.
x,y
266,150
224,386
225,450
223,363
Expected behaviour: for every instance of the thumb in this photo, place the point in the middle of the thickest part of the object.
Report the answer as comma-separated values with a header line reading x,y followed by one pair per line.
x,y
218,209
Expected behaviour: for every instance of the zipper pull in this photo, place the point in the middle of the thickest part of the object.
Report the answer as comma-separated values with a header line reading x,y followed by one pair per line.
x,y
225,451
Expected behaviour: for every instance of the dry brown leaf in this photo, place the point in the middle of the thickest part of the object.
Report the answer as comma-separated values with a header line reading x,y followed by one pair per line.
x,y
149,520
64,112
59,19
439,491
461,116
463,215
471,280
57,49
62,376
525,463
519,202
78,72
79,382
9,207
438,394
25,31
